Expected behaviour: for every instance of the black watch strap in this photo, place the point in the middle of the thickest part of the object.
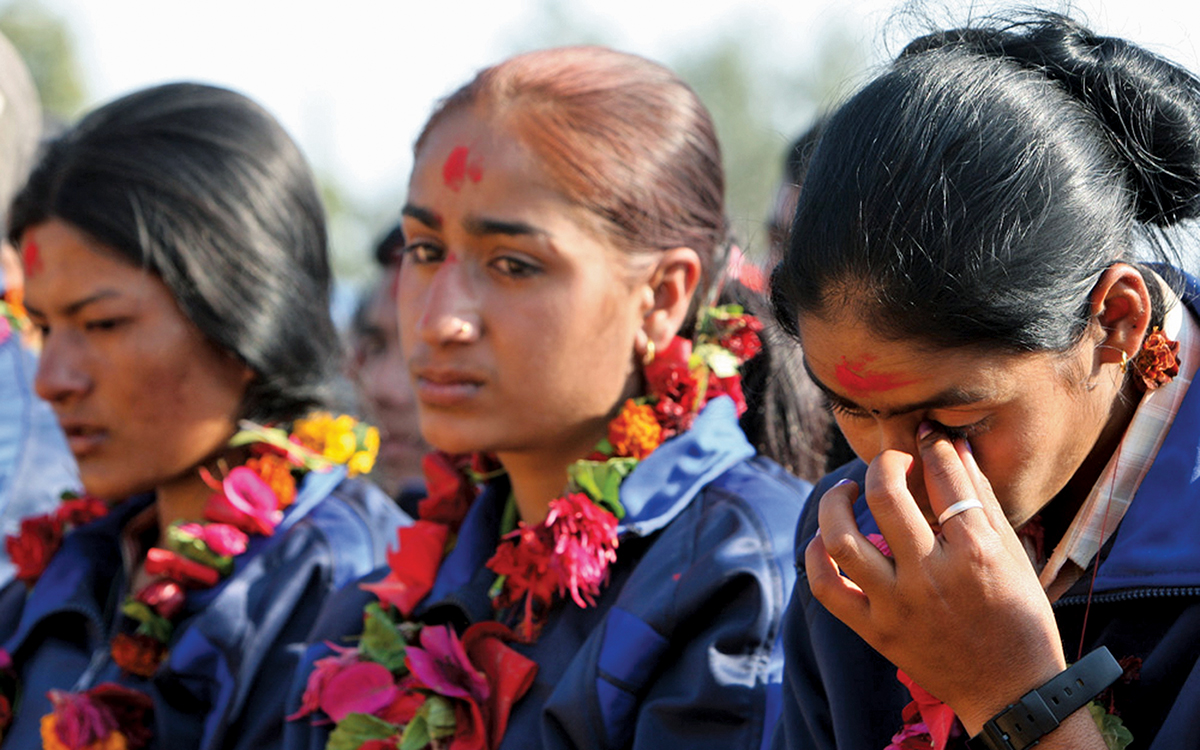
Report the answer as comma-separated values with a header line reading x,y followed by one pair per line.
x,y
1040,711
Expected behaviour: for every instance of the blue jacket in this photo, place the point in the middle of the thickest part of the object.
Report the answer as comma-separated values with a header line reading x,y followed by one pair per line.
x,y
682,649
232,656
840,693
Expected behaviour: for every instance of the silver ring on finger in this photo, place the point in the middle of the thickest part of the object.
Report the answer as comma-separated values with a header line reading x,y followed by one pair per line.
x,y
959,507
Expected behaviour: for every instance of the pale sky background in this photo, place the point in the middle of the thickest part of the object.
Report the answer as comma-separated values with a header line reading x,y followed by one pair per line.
x,y
354,80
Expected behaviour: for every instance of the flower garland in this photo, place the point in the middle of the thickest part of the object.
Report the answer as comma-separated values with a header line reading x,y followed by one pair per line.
x,y
390,693
249,499
13,318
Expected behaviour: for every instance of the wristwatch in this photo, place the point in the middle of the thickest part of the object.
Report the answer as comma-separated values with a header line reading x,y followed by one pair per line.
x,y
1040,711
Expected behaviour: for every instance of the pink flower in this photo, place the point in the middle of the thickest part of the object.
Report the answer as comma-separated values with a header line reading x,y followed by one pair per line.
x,y
245,501
360,688
5,329
221,538
323,669
880,543
79,720
585,544
441,664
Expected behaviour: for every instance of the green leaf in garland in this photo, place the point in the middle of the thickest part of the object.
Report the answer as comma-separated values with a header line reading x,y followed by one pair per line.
x,y
196,550
601,481
355,729
434,720
1112,729
382,642
153,625
720,361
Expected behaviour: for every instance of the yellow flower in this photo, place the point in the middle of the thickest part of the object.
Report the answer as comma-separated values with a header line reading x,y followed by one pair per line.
x,y
361,463
313,430
371,441
340,446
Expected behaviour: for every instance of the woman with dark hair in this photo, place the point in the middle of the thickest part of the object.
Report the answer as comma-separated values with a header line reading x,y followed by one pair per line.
x,y
965,275
619,581
174,250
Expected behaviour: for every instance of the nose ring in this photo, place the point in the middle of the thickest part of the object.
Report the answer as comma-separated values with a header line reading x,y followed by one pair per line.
x,y
464,330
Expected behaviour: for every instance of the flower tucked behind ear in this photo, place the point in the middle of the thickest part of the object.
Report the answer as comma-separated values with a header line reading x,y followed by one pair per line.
x,y
1158,361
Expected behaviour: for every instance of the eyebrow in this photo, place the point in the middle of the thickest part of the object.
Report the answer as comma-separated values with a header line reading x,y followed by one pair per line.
x,y
75,307
949,398
475,225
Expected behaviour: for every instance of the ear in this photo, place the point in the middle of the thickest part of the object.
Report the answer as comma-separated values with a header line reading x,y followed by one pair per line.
x,y
1121,305
670,289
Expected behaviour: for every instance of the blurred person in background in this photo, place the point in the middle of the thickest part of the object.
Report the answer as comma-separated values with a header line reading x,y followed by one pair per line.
x,y
385,393
35,465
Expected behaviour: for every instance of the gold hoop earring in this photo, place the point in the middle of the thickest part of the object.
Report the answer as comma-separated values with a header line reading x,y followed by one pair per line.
x,y
648,355
1124,361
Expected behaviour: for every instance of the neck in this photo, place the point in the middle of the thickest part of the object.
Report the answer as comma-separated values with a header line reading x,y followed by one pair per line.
x,y
184,497
534,485
1057,516
539,477
181,499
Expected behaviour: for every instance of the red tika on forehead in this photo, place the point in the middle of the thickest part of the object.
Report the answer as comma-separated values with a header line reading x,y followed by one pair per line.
x,y
459,166
854,377
31,257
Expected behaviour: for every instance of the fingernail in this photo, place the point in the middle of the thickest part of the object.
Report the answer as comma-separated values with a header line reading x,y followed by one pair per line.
x,y
967,444
923,430
841,483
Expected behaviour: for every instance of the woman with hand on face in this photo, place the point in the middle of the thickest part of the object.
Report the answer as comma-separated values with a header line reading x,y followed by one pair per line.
x,y
964,277
619,580
174,248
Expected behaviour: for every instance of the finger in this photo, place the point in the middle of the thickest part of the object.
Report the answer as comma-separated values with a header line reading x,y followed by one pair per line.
x,y
857,557
900,519
982,486
838,594
946,479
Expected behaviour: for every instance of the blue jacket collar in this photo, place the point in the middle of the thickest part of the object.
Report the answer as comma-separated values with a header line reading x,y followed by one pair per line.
x,y
668,479
661,486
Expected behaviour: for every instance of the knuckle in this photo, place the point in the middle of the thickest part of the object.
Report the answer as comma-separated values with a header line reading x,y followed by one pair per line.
x,y
841,547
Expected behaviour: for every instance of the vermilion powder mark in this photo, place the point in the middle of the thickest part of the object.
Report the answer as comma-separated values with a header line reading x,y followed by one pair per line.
x,y
855,377
459,167
31,257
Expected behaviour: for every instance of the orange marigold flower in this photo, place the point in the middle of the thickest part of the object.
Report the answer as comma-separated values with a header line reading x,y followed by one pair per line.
x,y
635,432
276,471
50,741
138,654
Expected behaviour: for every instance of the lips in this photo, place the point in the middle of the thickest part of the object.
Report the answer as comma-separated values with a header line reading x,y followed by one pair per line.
x,y
83,439
446,387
